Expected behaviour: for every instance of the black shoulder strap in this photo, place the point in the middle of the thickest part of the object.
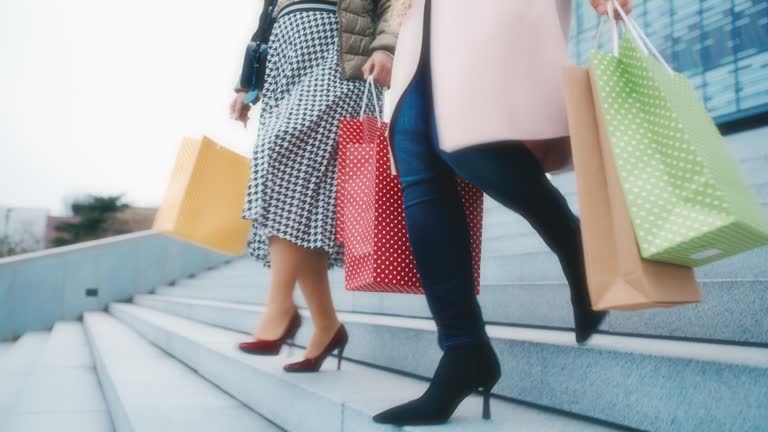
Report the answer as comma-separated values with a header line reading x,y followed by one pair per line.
x,y
265,26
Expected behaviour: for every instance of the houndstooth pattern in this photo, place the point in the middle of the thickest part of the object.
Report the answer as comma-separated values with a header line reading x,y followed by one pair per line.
x,y
292,189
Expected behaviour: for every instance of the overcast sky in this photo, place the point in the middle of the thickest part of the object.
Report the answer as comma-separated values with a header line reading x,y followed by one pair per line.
x,y
95,95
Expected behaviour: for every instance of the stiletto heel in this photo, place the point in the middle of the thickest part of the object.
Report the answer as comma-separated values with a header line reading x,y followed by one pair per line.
x,y
341,357
487,403
337,342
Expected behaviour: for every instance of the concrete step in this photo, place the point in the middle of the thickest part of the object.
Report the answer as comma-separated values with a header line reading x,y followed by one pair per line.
x,y
328,401
149,391
23,355
543,266
513,243
510,233
731,311
237,267
498,221
754,167
537,265
670,382
531,300
64,392
495,216
16,369
503,228
4,348
749,144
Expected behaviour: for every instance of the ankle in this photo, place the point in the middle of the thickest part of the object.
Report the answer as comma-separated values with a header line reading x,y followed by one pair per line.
x,y
326,326
326,330
274,322
283,308
479,360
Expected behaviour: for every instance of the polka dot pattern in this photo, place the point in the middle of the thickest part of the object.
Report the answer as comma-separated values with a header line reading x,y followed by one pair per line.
x,y
680,182
370,217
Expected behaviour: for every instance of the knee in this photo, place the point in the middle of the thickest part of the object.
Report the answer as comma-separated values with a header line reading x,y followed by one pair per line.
x,y
505,171
472,162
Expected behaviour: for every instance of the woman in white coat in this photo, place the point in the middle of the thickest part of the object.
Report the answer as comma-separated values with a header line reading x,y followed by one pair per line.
x,y
478,94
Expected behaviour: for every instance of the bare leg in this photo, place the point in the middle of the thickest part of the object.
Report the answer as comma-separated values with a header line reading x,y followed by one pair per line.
x,y
286,260
313,279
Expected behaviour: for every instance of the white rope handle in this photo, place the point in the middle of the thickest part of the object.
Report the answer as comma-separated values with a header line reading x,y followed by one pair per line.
x,y
640,37
599,34
614,31
596,43
629,26
370,87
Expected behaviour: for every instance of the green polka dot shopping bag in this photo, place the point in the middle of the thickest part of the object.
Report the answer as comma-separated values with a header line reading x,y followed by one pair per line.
x,y
688,201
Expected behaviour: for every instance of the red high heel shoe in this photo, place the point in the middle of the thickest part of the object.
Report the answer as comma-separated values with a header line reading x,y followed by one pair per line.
x,y
272,347
337,342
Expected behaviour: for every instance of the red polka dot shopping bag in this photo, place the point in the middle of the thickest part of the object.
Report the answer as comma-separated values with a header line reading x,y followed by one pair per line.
x,y
370,217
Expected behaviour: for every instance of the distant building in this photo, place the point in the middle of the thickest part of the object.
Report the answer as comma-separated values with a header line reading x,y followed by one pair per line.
x,y
720,45
50,230
22,230
126,221
132,219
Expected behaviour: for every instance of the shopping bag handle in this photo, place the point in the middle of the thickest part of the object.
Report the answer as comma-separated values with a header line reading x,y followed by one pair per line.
x,y
614,30
392,163
640,37
630,26
370,87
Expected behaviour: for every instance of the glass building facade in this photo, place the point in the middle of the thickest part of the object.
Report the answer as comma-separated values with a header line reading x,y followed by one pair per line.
x,y
720,45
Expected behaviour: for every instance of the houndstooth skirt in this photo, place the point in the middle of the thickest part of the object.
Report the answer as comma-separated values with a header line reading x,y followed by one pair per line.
x,y
292,189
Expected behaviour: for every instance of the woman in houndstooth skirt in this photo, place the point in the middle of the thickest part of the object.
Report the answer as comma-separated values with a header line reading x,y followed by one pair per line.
x,y
291,197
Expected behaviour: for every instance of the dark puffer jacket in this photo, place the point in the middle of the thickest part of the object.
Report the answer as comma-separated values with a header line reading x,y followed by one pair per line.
x,y
366,26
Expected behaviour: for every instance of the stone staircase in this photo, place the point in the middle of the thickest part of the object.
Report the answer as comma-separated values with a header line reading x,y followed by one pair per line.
x,y
168,361
56,383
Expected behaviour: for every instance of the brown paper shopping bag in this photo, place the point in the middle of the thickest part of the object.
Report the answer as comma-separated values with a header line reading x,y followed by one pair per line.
x,y
204,200
618,277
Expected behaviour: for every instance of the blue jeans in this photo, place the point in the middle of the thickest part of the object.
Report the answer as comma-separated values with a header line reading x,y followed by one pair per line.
x,y
436,222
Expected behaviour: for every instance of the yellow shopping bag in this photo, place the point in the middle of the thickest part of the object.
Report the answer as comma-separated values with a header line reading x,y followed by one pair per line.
x,y
204,200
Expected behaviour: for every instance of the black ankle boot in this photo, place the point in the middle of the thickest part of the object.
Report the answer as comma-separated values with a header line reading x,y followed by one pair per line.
x,y
461,371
